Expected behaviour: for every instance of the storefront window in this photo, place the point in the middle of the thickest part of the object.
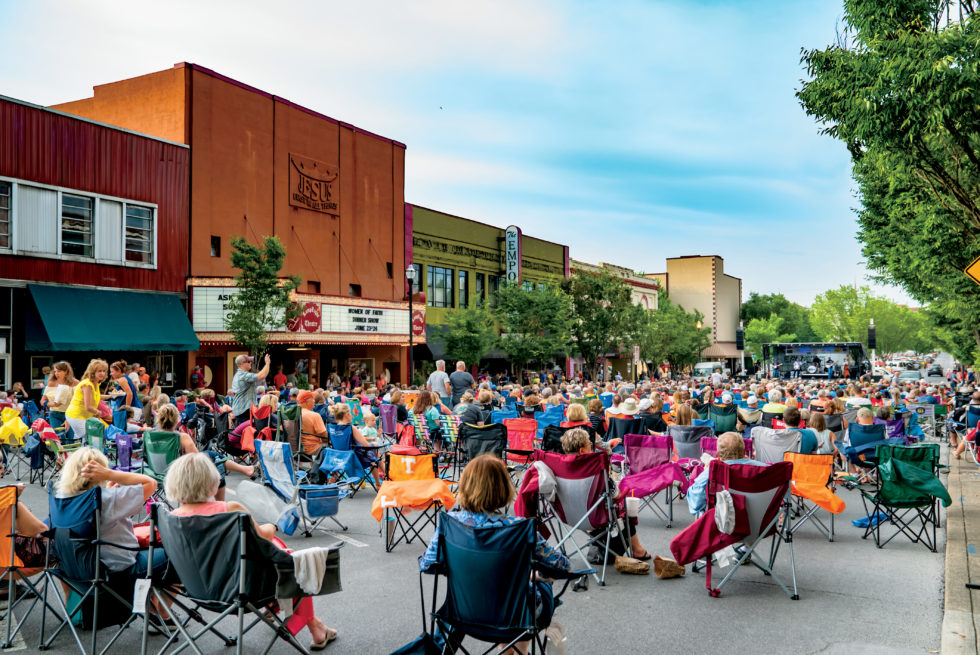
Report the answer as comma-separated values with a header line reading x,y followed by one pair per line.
x,y
440,290
481,292
139,234
38,364
528,285
493,282
77,221
4,215
464,289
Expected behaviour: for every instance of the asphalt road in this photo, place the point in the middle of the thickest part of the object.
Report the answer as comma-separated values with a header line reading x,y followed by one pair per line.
x,y
854,598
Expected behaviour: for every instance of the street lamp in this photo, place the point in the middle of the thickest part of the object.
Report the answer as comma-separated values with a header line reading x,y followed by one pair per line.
x,y
410,276
700,349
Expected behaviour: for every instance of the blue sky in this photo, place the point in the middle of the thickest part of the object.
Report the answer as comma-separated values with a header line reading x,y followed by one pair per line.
x,y
631,131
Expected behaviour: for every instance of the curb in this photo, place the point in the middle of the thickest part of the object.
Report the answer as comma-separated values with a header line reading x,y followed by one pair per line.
x,y
959,631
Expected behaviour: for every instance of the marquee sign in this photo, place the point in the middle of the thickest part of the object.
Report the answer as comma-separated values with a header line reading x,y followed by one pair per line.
x,y
512,253
314,185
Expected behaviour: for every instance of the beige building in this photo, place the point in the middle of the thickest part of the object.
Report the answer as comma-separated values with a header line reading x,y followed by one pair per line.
x,y
700,282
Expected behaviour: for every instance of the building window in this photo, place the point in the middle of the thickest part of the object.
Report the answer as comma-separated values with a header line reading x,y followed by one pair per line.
x,y
77,225
390,270
464,289
215,246
4,215
440,289
354,291
313,286
139,234
481,292
527,285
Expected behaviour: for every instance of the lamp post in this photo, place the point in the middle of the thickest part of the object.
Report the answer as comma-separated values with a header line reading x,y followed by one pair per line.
x,y
410,276
700,349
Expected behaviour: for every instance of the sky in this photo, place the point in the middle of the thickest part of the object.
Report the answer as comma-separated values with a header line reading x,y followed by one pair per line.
x,y
630,131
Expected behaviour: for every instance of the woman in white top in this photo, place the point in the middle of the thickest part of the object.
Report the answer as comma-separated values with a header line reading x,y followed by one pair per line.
x,y
58,392
825,438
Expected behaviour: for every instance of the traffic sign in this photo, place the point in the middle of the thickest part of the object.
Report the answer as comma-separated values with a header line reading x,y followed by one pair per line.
x,y
973,270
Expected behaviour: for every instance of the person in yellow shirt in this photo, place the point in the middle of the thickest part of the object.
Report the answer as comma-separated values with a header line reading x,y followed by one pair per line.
x,y
85,400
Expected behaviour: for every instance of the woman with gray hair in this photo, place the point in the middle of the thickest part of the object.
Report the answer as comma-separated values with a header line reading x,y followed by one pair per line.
x,y
192,481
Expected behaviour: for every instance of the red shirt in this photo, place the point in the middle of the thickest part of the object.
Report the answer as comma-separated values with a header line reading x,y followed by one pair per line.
x,y
279,380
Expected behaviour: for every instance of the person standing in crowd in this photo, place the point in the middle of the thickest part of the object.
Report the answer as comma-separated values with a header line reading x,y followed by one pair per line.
x,y
243,386
439,383
85,400
461,382
118,373
58,393
279,379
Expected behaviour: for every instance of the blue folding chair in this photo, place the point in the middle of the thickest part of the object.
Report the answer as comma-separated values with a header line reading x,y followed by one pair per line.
x,y
543,419
498,415
489,593
341,458
312,503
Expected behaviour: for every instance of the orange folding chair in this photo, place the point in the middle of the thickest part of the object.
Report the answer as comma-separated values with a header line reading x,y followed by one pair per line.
x,y
520,438
411,485
813,490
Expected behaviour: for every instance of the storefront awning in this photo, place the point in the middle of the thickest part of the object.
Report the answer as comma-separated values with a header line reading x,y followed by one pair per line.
x,y
71,318
724,349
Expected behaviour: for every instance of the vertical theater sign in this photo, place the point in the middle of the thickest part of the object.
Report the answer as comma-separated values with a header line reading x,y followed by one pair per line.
x,y
512,254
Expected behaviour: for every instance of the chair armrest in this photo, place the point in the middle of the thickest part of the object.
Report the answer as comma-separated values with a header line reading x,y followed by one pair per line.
x,y
515,451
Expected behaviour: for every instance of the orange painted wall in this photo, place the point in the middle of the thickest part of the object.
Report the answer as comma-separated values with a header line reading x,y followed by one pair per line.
x,y
240,141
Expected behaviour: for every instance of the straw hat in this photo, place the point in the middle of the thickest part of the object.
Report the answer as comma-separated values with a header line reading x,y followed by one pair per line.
x,y
629,407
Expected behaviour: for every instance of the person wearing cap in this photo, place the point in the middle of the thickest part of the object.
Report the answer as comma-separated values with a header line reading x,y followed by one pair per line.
x,y
650,412
930,397
751,415
243,386
726,399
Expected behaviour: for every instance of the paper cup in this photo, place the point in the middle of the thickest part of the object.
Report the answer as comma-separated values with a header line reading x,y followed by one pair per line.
x,y
632,506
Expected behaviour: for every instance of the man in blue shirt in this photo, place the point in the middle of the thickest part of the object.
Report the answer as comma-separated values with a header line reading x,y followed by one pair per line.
x,y
731,450
808,440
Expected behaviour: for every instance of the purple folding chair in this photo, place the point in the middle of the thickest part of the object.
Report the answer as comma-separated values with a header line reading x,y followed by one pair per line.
x,y
389,416
651,471
124,454
894,429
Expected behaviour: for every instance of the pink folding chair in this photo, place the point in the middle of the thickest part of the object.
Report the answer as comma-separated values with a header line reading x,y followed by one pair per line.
x,y
651,471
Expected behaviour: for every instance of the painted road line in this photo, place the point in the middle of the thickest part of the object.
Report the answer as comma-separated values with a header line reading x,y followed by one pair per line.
x,y
350,540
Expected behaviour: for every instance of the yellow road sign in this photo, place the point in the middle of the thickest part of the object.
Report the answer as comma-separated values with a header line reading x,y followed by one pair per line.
x,y
973,270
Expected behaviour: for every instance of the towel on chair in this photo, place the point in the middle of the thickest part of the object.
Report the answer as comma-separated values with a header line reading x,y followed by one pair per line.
x,y
310,565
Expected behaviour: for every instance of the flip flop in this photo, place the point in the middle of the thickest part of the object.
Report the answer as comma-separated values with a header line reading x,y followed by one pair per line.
x,y
645,558
320,645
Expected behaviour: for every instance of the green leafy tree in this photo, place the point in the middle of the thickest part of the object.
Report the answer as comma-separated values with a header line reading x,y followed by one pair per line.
x,y
469,334
671,335
605,318
900,90
844,314
263,300
766,330
534,322
796,318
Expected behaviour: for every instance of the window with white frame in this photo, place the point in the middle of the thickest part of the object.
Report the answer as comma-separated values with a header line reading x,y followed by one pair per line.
x,y
5,209
440,287
77,225
46,221
139,234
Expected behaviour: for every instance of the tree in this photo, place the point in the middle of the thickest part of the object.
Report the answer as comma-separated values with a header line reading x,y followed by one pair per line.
x,y
263,301
671,335
604,316
844,314
899,89
766,330
534,322
796,317
469,334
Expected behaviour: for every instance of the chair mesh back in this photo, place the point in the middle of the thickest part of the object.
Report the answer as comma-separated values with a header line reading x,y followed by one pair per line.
x,y
478,440
159,450
764,488
277,467
687,439
772,445
620,427
124,452
646,451
860,435
580,482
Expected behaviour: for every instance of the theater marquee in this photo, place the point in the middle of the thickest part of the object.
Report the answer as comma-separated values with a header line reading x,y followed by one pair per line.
x,y
314,185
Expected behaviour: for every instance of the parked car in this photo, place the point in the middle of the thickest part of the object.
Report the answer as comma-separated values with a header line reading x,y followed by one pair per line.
x,y
910,375
935,371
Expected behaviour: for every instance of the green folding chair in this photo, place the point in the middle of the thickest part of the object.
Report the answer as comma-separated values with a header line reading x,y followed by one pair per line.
x,y
160,450
907,494
95,434
725,418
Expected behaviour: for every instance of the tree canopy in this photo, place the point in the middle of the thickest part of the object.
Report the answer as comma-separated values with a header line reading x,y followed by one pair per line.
x,y
767,330
796,318
262,301
534,322
604,317
469,334
900,90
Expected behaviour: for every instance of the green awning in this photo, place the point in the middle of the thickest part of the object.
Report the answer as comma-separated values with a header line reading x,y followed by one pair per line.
x,y
72,318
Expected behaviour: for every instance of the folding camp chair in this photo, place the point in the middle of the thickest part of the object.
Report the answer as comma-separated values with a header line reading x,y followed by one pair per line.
x,y
651,471
313,503
356,412
411,485
940,414
771,445
95,435
342,450
521,433
290,430
499,415
724,417
488,597
21,590
160,450
894,429
389,421
13,433
925,414
582,501
125,454
245,575
544,419
709,446
813,477
477,440
687,439
758,493
861,452
906,494
76,542
767,418
260,429
620,427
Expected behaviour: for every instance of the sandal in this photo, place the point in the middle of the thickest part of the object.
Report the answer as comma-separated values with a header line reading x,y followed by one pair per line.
x,y
646,557
320,645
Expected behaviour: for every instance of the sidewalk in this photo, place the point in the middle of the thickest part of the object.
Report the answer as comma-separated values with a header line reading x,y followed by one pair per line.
x,y
959,634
